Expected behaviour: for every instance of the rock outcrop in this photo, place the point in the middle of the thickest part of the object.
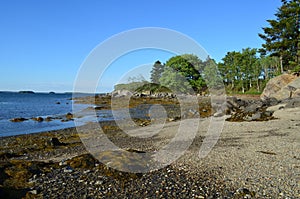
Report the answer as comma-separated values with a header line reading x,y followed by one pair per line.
x,y
121,93
282,87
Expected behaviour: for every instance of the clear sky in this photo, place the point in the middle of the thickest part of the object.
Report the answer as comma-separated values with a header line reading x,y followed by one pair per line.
x,y
43,43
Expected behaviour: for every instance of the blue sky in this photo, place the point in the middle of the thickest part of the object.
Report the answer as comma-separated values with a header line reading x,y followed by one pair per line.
x,y
44,43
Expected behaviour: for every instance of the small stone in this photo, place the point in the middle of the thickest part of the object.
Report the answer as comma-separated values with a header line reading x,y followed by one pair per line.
x,y
99,182
218,114
62,163
86,171
68,170
34,192
281,194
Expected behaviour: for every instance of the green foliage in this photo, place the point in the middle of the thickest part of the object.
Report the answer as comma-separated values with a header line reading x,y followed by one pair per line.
x,y
282,38
153,88
189,67
211,75
132,86
156,72
174,81
244,71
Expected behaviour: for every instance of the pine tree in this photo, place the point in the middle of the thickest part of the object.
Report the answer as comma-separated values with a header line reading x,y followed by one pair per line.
x,y
156,72
283,36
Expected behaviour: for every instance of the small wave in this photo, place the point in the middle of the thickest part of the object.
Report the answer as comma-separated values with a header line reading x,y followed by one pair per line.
x,y
5,103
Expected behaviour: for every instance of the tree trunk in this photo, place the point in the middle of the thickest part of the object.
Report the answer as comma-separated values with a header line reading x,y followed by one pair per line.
x,y
257,85
266,73
281,64
243,88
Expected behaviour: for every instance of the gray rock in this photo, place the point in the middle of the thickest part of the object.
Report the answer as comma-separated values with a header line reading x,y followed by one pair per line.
x,y
251,108
282,87
272,101
253,117
121,93
293,103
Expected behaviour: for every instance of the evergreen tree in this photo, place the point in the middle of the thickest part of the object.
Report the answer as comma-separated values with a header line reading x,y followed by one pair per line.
x,y
156,72
283,36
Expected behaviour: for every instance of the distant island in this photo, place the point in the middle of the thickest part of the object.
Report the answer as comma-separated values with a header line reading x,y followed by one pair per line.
x,y
29,92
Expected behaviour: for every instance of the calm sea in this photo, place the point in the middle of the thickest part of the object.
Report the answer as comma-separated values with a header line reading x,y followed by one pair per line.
x,y
28,105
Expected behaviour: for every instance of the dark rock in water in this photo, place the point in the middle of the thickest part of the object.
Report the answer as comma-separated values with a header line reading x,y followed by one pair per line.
x,y
100,107
69,116
52,93
49,119
18,119
38,119
57,102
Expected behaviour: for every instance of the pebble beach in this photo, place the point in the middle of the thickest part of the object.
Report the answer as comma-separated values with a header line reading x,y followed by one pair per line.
x,y
251,159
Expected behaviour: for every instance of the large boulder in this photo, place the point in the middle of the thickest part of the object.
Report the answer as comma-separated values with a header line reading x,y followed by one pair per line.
x,y
282,87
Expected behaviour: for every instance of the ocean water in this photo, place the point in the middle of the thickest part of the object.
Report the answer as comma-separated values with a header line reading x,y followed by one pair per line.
x,y
28,105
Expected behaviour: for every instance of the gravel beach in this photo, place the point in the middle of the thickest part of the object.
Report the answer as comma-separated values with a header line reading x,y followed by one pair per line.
x,y
257,159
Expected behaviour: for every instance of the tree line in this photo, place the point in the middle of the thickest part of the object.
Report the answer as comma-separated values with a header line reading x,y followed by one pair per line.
x,y
243,71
